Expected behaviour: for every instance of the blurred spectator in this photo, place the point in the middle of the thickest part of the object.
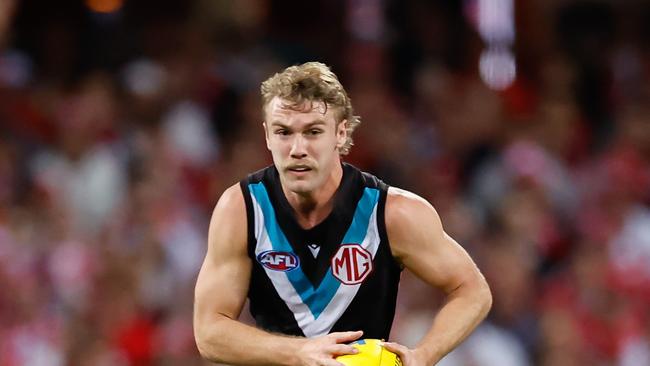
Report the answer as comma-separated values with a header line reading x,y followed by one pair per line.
x,y
119,130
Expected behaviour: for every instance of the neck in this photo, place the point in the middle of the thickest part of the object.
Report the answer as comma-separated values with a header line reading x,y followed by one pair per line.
x,y
311,208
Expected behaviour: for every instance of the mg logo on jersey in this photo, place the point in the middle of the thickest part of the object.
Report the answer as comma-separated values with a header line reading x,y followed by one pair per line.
x,y
351,264
278,261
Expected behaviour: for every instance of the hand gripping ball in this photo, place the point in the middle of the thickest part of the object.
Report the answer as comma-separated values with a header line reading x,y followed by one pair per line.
x,y
371,353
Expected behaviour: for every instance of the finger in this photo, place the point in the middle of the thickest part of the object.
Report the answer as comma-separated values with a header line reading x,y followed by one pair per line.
x,y
342,337
395,348
342,349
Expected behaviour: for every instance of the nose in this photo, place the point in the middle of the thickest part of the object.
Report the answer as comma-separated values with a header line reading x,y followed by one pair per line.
x,y
298,147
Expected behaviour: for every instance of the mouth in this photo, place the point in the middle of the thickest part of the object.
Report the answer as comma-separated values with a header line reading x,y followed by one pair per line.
x,y
299,169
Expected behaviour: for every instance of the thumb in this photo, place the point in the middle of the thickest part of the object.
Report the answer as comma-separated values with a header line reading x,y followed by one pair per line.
x,y
395,348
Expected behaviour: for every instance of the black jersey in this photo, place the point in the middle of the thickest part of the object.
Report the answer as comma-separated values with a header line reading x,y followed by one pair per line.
x,y
337,276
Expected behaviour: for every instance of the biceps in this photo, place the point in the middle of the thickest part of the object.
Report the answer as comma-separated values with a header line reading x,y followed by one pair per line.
x,y
442,263
222,286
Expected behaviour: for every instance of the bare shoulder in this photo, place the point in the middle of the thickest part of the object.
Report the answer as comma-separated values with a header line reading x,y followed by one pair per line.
x,y
222,282
409,218
405,210
228,224
231,200
418,241
402,198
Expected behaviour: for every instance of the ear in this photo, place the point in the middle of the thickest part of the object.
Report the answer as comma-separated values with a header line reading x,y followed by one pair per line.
x,y
266,136
341,133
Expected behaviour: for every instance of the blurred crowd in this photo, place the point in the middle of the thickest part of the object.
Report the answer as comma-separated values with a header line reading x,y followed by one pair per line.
x,y
122,122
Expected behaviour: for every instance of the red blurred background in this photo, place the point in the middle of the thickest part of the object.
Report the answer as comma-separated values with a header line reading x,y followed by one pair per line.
x,y
525,123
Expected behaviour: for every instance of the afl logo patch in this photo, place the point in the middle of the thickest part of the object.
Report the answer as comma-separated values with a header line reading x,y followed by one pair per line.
x,y
351,264
278,261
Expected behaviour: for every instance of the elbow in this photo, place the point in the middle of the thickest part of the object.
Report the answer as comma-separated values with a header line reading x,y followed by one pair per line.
x,y
208,355
208,351
203,350
205,343
484,295
477,294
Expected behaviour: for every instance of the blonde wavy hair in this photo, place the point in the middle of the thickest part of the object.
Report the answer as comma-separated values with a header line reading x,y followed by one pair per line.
x,y
313,82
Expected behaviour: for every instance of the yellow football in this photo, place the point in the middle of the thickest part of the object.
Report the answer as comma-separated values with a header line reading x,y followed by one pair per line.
x,y
371,353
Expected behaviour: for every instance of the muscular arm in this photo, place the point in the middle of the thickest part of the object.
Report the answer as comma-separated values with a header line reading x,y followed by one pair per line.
x,y
418,241
221,290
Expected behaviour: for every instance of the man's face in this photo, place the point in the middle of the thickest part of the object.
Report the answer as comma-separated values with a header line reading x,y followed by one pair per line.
x,y
304,142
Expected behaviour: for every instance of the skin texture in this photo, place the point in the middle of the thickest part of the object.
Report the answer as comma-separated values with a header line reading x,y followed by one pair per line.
x,y
304,142
419,242
309,138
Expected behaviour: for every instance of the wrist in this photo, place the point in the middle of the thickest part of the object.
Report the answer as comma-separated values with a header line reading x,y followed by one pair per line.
x,y
292,355
428,355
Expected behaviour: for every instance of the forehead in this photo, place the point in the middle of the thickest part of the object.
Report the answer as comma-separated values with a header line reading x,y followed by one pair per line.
x,y
285,110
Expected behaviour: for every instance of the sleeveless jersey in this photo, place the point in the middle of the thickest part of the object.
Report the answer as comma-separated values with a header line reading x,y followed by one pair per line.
x,y
337,276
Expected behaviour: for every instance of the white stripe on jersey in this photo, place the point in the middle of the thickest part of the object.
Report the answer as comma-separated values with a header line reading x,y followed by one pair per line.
x,y
312,327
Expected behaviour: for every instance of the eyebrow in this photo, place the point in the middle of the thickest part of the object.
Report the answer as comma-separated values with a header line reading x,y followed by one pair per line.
x,y
308,125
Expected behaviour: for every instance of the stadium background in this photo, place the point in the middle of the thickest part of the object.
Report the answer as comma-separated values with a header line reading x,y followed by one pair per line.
x,y
122,122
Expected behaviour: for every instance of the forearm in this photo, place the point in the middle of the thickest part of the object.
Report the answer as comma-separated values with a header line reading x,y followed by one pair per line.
x,y
229,341
465,308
